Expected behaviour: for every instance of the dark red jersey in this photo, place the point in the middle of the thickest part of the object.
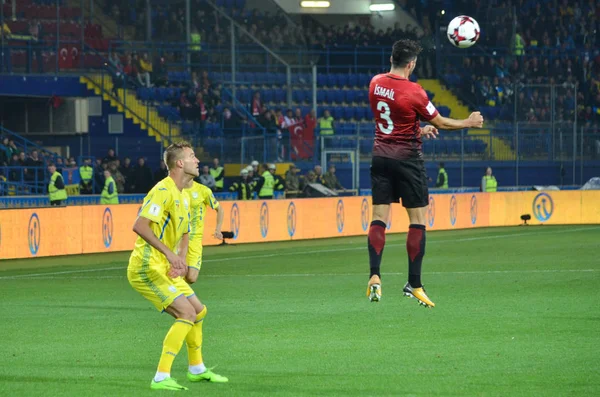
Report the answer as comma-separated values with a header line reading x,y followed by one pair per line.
x,y
398,105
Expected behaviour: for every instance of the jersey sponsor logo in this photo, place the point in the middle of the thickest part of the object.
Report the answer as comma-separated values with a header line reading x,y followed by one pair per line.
x,y
34,233
107,228
430,108
384,92
543,207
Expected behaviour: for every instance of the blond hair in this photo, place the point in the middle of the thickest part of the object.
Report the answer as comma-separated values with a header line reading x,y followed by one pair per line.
x,y
173,153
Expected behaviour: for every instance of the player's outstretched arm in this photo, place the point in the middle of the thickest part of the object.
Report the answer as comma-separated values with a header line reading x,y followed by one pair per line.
x,y
142,228
475,120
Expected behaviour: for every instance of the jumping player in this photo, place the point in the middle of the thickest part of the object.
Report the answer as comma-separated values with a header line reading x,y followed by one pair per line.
x,y
397,166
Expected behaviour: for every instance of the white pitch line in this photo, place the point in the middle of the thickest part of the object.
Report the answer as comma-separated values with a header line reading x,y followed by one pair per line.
x,y
281,275
295,253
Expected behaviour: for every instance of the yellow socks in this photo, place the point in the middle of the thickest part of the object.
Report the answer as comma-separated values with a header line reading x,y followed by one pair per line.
x,y
194,344
172,344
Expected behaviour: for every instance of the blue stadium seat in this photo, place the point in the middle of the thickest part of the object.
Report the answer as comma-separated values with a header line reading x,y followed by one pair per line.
x,y
338,96
366,145
364,80
308,96
360,112
338,112
367,129
348,112
320,95
298,95
321,109
268,95
280,95
362,95
353,80
187,127
342,80
331,80
329,96
321,80
350,96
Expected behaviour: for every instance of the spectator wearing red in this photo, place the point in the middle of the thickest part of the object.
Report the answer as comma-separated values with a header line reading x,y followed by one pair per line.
x,y
256,104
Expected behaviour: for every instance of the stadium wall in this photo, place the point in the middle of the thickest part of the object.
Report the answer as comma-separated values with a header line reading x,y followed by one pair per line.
x,y
27,233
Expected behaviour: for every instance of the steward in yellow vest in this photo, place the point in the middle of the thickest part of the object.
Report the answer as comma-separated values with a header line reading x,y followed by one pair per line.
x,y
488,182
109,192
442,179
268,183
86,173
219,174
56,188
326,124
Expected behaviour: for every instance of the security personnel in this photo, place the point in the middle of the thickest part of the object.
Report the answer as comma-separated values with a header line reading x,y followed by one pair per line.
x,y
56,188
218,173
242,186
326,124
267,183
488,182
109,193
86,175
519,45
442,179
195,44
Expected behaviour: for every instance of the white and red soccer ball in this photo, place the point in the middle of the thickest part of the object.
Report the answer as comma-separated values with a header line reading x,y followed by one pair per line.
x,y
463,31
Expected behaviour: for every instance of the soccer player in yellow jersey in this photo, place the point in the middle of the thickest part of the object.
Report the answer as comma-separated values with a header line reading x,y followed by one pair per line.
x,y
158,262
201,198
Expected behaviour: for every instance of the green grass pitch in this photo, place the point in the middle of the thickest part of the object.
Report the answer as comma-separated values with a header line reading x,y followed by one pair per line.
x,y
518,313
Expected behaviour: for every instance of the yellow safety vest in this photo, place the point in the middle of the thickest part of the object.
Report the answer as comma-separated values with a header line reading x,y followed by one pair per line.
x,y
491,185
195,38
267,187
106,197
215,172
443,172
519,47
86,173
326,125
53,191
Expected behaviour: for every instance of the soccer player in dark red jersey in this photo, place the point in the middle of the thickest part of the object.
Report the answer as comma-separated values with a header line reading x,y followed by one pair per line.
x,y
397,167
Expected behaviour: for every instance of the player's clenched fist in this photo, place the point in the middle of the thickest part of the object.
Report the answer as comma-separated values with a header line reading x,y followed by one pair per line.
x,y
476,120
178,266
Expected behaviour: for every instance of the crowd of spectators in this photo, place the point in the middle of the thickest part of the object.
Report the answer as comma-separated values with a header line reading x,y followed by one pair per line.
x,y
30,169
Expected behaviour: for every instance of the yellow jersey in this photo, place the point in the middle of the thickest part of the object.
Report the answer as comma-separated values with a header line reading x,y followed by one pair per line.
x,y
200,198
168,209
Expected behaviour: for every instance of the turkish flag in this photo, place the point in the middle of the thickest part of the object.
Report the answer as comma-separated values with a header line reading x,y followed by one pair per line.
x,y
64,58
301,147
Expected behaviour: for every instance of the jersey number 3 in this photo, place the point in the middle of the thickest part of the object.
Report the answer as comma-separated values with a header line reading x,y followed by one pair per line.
x,y
384,113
